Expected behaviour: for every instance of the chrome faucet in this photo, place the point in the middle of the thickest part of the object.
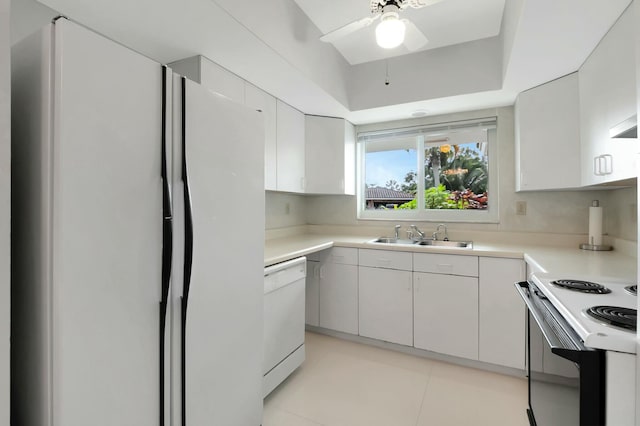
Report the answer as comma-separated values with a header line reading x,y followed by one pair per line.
x,y
397,231
413,231
446,234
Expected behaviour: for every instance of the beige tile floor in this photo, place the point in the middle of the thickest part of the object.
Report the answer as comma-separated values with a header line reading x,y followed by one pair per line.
x,y
344,383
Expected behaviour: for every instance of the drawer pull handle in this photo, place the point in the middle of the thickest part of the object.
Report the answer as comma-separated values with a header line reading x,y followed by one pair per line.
x,y
445,267
384,261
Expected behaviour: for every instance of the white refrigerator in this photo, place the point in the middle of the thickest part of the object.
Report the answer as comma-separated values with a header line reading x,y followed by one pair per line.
x,y
137,238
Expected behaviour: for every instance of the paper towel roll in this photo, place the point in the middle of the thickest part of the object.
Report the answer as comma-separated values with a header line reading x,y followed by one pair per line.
x,y
595,226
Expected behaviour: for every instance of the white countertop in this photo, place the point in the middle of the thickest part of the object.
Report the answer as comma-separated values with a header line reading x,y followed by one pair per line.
x,y
558,260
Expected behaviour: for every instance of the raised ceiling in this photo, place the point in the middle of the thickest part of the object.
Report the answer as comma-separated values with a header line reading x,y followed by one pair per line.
x,y
445,23
275,45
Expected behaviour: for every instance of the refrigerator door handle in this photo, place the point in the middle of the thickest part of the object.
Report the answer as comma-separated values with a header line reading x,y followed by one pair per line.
x,y
167,247
188,248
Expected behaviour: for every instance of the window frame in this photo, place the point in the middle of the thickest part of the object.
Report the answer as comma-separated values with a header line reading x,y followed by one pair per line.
x,y
490,215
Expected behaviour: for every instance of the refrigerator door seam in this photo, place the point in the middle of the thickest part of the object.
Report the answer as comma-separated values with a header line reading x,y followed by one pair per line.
x,y
167,248
188,250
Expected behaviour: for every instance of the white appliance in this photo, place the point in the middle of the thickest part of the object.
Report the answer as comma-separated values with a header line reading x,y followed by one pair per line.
x,y
574,305
134,300
581,349
284,321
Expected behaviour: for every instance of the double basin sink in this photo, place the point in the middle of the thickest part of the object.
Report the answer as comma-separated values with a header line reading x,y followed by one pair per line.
x,y
426,242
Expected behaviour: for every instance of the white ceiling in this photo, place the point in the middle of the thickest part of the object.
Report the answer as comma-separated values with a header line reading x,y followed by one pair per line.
x,y
444,23
274,45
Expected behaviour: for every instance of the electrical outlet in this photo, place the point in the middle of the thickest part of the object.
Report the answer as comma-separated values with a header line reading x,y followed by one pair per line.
x,y
287,208
521,208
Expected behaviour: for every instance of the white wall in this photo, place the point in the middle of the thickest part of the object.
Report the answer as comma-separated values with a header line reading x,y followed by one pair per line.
x,y
448,71
283,210
28,16
510,21
284,27
621,213
563,212
5,207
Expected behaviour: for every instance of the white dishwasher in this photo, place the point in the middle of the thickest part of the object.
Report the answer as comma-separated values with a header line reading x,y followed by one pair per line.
x,y
284,304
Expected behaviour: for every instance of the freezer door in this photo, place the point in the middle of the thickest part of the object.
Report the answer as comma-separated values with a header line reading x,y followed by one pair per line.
x,y
222,302
106,231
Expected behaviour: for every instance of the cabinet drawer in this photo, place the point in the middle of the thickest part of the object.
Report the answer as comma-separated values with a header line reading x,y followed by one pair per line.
x,y
340,255
386,259
446,264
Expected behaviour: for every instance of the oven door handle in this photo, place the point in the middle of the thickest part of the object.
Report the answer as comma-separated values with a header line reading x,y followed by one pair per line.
x,y
564,345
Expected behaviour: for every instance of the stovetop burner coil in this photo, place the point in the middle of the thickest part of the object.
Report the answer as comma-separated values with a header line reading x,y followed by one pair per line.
x,y
615,315
633,289
582,286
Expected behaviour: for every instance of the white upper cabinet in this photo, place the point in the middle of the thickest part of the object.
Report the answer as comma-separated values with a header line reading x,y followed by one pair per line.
x,y
338,289
607,83
330,155
212,76
547,125
290,149
265,103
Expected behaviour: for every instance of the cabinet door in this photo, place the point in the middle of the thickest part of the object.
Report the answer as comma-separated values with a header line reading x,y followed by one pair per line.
x,y
265,103
290,149
548,136
445,314
339,297
607,83
502,312
330,155
312,296
385,305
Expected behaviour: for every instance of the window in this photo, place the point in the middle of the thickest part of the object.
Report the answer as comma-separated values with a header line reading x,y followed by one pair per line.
x,y
438,172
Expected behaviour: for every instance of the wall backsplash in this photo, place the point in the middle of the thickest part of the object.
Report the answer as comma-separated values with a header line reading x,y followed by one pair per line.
x,y
562,212
621,213
283,210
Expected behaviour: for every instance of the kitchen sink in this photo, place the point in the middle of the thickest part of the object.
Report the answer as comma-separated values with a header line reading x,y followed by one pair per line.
x,y
439,243
391,240
426,243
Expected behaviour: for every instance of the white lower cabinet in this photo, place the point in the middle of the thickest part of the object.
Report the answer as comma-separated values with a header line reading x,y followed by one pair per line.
x,y
459,305
502,312
337,282
445,313
385,304
339,297
312,294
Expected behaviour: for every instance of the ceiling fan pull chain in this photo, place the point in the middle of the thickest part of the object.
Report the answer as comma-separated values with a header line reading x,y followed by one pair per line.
x,y
386,80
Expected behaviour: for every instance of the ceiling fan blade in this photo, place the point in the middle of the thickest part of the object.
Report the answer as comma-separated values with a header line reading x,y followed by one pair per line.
x,y
413,37
354,26
417,4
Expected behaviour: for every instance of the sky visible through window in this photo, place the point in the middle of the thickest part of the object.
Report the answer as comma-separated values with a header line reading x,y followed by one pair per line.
x,y
383,166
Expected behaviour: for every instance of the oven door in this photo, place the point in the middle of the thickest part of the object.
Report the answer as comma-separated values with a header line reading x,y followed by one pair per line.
x,y
566,379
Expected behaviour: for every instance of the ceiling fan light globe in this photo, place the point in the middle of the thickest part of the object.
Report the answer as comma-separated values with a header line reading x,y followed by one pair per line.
x,y
390,32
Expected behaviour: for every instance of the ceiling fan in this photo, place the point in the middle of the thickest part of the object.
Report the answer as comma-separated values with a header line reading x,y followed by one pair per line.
x,y
391,31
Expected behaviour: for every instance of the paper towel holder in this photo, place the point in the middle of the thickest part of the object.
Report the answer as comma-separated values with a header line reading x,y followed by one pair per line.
x,y
596,247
